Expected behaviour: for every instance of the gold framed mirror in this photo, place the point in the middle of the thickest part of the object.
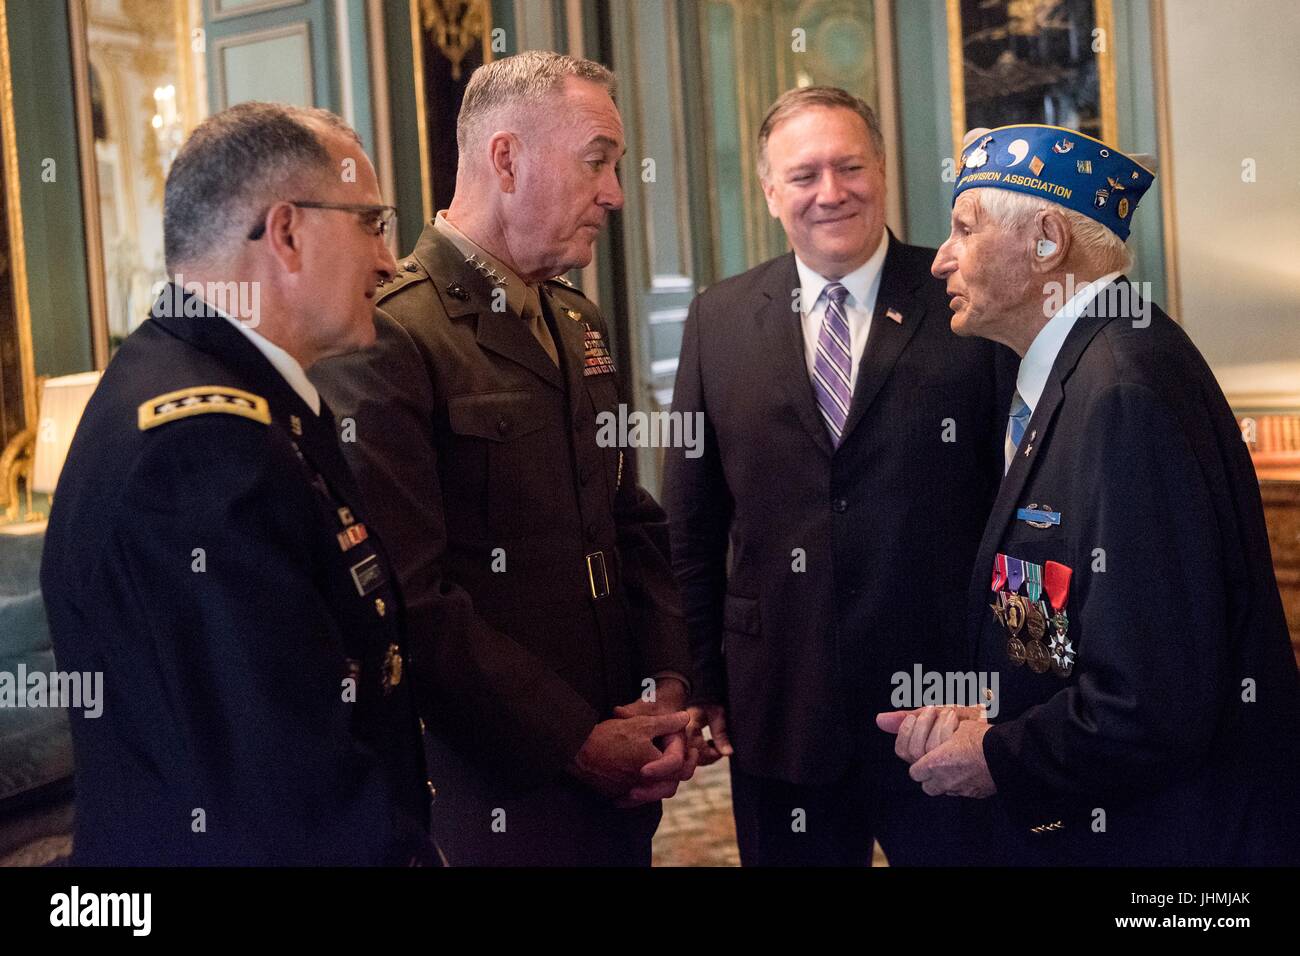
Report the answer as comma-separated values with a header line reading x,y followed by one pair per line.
x,y
140,88
17,365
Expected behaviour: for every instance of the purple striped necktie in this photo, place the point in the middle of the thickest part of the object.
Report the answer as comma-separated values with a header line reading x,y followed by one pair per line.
x,y
833,365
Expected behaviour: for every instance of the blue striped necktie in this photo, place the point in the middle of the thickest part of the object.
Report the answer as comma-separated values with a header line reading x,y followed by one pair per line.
x,y
834,363
1020,413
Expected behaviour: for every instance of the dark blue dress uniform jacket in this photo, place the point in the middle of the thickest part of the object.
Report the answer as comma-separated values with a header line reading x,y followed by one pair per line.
x,y
1172,741
225,736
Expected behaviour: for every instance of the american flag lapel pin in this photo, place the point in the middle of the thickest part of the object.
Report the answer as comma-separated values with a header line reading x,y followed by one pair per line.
x,y
895,315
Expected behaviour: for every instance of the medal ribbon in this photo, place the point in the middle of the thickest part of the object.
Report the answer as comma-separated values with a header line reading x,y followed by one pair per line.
x,y
1015,573
1056,578
1033,581
999,571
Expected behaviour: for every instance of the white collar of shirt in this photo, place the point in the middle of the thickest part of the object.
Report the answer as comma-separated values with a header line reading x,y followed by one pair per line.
x,y
863,282
863,285
284,363
1038,361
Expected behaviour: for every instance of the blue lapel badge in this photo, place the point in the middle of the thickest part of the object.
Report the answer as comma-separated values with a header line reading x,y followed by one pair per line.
x,y
1038,517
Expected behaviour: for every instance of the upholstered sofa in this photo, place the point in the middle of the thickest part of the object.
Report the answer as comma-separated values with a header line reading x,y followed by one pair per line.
x,y
35,746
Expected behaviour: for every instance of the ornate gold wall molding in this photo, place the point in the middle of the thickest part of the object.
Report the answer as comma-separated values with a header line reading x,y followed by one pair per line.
x,y
16,456
95,279
421,111
1165,145
453,27
456,26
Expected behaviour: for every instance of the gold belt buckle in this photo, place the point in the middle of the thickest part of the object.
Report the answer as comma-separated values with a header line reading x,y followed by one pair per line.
x,y
597,576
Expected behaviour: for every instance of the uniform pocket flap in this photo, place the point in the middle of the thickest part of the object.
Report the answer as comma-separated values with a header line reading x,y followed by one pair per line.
x,y
741,614
496,416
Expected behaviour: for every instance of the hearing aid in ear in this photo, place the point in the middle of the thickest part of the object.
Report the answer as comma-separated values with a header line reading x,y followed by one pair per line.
x,y
1045,248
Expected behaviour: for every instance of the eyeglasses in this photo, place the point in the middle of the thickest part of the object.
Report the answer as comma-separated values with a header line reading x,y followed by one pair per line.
x,y
377,219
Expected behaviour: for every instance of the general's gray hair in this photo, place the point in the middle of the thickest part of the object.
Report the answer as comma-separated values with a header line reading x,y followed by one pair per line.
x,y
1106,251
807,97
235,163
525,79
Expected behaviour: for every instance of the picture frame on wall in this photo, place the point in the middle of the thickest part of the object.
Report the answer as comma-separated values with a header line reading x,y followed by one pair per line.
x,y
1032,61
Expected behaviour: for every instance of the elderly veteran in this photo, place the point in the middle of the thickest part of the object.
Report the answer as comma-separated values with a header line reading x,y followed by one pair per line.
x,y
1124,591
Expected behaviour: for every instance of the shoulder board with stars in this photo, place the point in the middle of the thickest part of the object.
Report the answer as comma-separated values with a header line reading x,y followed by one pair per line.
x,y
408,271
203,400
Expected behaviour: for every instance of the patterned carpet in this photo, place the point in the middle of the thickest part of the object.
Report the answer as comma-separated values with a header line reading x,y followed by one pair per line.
x,y
698,829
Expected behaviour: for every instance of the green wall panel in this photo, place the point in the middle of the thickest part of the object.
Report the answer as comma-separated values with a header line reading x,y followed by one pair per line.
x,y
405,132
46,129
316,15
728,164
921,35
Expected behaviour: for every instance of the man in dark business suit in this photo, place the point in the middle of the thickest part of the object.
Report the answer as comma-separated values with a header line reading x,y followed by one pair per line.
x,y
1149,696
849,463
536,570
208,550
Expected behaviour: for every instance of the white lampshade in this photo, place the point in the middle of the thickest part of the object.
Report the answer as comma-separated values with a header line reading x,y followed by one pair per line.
x,y
62,402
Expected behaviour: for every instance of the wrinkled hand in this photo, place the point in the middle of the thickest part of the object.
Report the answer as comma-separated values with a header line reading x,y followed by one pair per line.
x,y
945,746
957,767
661,775
922,730
614,754
713,717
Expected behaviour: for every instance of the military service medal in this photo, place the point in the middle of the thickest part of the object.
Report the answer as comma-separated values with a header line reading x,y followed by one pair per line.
x,y
1015,610
1036,655
1013,619
1016,607
1056,579
1015,649
1035,619
999,605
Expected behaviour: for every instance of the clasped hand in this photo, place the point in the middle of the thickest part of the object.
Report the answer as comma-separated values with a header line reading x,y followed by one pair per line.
x,y
945,747
642,753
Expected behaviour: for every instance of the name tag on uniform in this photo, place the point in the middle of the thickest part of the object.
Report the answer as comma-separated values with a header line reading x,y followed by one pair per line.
x,y
368,575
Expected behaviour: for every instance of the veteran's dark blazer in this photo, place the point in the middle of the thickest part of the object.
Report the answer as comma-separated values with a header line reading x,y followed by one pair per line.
x,y
1172,741
536,571
846,565
193,557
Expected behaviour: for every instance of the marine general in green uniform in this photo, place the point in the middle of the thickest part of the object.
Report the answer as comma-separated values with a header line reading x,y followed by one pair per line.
x,y
545,626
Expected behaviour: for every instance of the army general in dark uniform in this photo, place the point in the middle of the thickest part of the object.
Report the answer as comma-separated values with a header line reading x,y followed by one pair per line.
x,y
207,550
536,570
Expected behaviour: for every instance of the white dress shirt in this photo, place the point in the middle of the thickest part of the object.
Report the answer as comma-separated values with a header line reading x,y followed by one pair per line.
x,y
1038,361
284,363
863,285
